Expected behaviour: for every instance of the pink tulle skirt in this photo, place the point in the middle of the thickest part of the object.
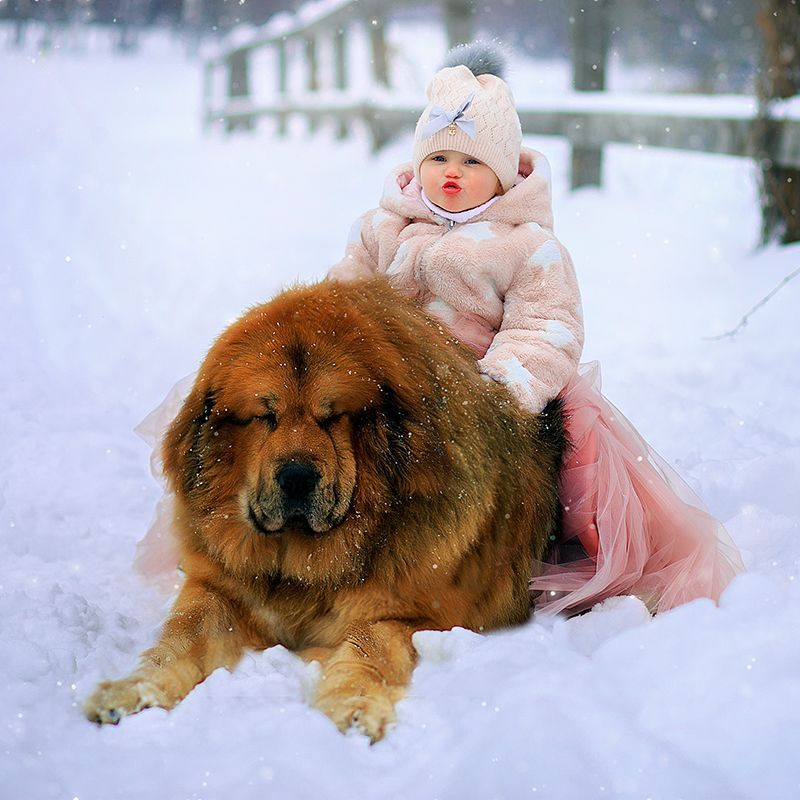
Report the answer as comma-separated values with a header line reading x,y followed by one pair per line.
x,y
157,553
630,524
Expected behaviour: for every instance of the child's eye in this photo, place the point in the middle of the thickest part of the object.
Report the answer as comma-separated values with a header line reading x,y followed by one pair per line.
x,y
472,161
438,158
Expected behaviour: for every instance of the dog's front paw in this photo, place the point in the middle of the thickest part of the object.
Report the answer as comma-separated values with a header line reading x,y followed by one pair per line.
x,y
113,700
369,714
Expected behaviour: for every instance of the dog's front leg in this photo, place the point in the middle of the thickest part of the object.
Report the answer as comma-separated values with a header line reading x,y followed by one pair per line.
x,y
366,675
201,633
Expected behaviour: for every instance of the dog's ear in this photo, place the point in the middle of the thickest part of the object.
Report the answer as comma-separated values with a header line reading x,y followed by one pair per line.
x,y
182,448
403,442
383,442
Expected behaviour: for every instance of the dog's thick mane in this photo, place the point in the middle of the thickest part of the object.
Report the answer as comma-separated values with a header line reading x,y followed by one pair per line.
x,y
413,446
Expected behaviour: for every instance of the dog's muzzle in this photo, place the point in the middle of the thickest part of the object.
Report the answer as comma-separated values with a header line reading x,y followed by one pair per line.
x,y
293,500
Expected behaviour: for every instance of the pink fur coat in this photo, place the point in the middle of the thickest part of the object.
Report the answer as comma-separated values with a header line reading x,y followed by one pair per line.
x,y
501,282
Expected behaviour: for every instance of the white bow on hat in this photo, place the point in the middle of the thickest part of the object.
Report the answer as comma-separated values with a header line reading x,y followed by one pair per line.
x,y
439,119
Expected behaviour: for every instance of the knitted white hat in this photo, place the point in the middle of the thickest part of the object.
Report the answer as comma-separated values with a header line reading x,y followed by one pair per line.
x,y
471,110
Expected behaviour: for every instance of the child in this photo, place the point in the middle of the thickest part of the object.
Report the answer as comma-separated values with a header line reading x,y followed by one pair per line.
x,y
467,229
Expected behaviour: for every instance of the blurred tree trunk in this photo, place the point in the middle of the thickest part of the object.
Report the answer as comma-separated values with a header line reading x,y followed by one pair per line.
x,y
459,21
778,78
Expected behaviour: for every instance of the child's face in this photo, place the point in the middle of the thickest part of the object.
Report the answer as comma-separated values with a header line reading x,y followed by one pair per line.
x,y
456,181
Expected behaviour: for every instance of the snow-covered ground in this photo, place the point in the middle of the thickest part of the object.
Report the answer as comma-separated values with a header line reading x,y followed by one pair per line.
x,y
128,240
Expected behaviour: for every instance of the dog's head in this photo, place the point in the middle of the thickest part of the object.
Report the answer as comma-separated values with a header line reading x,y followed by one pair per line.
x,y
310,415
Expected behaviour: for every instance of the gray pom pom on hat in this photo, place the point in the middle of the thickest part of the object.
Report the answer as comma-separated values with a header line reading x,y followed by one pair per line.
x,y
471,110
479,57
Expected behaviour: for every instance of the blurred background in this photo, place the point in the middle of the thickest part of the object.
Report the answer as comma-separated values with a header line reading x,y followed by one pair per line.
x,y
713,43
365,63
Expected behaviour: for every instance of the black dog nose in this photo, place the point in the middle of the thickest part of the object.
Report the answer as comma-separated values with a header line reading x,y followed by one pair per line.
x,y
297,481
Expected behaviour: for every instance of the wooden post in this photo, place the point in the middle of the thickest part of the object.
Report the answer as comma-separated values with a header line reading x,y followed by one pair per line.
x,y
458,21
778,79
283,82
340,73
313,76
380,61
312,83
340,59
379,134
239,87
589,24
208,94
23,12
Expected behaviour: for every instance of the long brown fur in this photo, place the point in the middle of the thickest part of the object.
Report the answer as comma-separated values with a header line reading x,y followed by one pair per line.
x,y
435,493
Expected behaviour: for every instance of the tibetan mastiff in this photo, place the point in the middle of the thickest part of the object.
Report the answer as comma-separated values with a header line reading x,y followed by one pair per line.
x,y
345,477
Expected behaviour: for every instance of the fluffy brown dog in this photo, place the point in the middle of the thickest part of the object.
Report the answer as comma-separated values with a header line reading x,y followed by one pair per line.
x,y
345,477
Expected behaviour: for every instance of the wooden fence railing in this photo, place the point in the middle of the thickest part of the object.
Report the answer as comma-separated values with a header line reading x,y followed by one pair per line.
x,y
334,21
589,118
